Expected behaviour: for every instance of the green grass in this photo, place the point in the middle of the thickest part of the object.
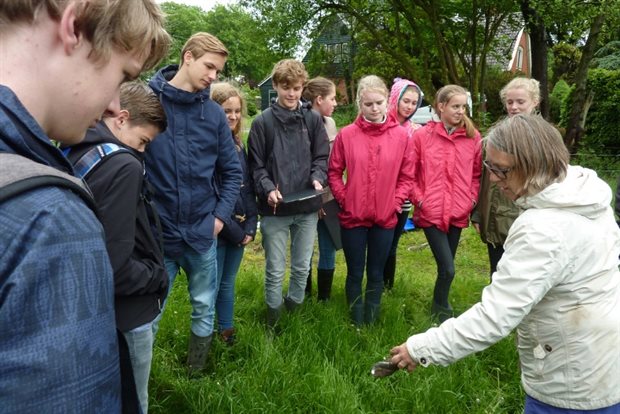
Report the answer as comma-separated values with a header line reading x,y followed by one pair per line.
x,y
319,363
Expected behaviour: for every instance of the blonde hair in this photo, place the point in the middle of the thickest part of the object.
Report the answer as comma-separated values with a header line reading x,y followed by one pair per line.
x,y
370,83
531,86
136,25
288,71
220,93
540,156
142,104
316,87
444,95
202,42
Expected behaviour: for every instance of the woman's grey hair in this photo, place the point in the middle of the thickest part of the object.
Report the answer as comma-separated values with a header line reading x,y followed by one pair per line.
x,y
540,156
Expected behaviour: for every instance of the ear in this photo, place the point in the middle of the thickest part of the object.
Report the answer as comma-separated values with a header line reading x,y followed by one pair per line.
x,y
319,100
67,31
121,119
440,107
187,57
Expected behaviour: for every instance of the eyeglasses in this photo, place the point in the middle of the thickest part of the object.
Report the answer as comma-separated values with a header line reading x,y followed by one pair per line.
x,y
501,173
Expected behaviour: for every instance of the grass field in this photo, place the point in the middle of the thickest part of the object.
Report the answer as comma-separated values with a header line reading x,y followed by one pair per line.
x,y
320,363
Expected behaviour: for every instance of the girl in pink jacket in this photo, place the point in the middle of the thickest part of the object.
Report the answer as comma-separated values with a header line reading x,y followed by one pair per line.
x,y
447,168
405,99
374,154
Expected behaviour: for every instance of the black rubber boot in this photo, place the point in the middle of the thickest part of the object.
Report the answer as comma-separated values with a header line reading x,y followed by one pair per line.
x,y
309,284
273,316
197,353
290,304
325,277
388,272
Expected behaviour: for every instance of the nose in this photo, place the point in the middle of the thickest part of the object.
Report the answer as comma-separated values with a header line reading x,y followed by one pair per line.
x,y
212,74
114,107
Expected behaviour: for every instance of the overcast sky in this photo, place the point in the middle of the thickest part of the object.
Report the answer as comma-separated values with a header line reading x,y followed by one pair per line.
x,y
205,4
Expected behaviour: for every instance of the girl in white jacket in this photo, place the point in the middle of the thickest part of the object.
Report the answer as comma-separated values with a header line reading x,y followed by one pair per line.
x,y
557,283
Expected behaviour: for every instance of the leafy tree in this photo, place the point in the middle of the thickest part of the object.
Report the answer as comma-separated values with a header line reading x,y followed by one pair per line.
x,y
248,42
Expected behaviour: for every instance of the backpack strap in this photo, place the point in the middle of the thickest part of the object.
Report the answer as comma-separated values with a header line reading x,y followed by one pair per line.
x,y
94,156
19,174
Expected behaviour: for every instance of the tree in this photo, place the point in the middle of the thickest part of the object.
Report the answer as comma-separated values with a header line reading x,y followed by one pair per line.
x,y
250,58
432,42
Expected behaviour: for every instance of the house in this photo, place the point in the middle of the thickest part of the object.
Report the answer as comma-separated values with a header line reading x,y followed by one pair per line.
x,y
513,52
330,55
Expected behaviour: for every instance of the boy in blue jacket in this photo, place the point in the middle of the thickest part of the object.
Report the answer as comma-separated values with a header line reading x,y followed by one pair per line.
x,y
59,73
182,164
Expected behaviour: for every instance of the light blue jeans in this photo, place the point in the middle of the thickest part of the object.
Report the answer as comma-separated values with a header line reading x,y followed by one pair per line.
x,y
140,344
275,234
228,260
202,285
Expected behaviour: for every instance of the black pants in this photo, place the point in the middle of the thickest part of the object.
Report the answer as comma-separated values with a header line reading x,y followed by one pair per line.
x,y
495,253
443,245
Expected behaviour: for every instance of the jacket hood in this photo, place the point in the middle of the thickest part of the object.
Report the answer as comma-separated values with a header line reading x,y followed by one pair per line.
x,y
398,89
160,83
286,116
376,128
581,192
24,136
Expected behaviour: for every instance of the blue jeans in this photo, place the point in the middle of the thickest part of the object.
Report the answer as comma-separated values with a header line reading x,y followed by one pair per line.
x,y
228,260
275,232
365,247
140,344
327,251
533,406
201,271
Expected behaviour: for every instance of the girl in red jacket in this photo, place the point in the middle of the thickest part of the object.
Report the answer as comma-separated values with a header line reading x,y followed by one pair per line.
x,y
447,167
374,154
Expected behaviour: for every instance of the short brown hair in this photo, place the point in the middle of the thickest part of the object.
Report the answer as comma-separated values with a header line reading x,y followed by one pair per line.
x,y
221,92
202,42
316,87
539,153
136,25
143,105
288,72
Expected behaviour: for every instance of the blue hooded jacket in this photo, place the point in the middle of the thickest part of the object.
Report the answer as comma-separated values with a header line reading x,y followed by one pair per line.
x,y
58,348
182,163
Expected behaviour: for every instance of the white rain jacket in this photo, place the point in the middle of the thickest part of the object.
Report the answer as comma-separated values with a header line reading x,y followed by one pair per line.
x,y
558,283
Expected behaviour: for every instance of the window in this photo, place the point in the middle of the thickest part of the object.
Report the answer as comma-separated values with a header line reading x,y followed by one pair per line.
x,y
520,58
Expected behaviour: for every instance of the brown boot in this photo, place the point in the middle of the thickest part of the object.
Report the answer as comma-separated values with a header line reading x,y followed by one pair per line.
x,y
228,336
198,350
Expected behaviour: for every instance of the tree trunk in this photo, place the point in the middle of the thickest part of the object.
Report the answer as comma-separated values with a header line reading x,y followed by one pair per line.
x,y
538,37
576,120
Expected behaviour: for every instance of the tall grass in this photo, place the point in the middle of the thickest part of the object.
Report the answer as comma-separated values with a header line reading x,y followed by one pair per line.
x,y
320,363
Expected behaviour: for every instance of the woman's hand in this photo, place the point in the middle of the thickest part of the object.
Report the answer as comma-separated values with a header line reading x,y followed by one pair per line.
x,y
399,355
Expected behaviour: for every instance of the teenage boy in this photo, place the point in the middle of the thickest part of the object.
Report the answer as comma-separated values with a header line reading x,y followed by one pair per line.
x,y
62,65
110,160
287,154
181,164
